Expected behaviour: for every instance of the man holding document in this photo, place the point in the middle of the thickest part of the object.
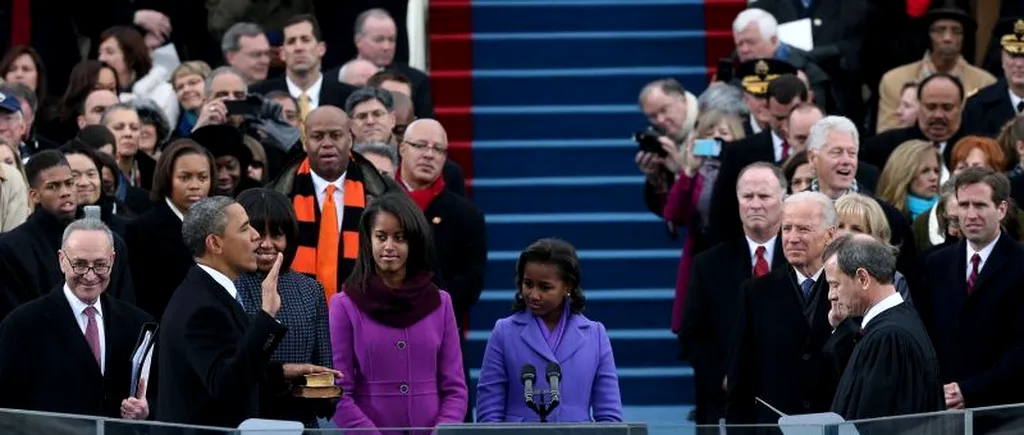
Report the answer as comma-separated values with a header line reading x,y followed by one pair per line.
x,y
70,351
212,356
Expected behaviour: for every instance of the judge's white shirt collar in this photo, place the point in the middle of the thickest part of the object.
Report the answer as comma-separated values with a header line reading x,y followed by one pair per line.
x,y
889,302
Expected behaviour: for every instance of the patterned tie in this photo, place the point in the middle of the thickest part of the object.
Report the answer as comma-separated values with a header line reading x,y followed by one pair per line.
x,y
303,111
785,150
761,265
806,287
975,261
327,244
92,333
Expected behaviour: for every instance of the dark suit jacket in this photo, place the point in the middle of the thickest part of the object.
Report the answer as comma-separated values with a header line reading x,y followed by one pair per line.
x,y
30,268
332,92
454,180
978,337
779,350
877,149
46,364
460,241
158,257
712,299
724,221
213,357
988,110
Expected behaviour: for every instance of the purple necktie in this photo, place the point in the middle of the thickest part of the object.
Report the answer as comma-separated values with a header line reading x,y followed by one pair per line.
x,y
92,333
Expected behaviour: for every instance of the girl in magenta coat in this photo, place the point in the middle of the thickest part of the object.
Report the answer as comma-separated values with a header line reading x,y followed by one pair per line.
x,y
393,332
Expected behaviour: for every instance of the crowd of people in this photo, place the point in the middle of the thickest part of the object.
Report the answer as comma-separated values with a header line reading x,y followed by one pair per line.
x,y
276,219
787,152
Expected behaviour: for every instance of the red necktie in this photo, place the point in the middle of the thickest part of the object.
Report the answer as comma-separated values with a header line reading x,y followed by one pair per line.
x,y
785,150
761,265
92,334
21,22
975,261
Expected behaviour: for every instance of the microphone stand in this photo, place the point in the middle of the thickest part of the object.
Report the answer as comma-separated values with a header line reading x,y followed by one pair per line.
x,y
542,406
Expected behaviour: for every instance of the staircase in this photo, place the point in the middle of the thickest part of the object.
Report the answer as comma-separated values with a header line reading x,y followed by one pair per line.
x,y
540,100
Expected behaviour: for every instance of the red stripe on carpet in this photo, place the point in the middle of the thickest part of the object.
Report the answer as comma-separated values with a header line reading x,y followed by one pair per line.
x,y
718,16
451,64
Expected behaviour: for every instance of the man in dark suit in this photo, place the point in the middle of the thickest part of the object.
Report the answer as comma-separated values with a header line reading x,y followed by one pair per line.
x,y
70,351
782,325
28,254
304,80
212,356
715,280
987,111
972,299
375,36
941,99
782,93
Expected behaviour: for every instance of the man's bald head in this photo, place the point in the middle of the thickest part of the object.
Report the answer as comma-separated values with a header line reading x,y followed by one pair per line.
x,y
328,141
329,114
426,128
357,71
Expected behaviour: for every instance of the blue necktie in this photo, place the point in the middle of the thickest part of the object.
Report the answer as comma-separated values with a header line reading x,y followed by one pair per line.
x,y
238,297
806,287
807,3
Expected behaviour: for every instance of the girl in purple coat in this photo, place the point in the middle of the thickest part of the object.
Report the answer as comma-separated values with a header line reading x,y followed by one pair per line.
x,y
393,332
549,328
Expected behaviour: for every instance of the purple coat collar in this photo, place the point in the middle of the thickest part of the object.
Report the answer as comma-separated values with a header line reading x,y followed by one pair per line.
x,y
572,338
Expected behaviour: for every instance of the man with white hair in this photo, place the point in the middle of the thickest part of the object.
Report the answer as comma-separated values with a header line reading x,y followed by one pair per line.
x,y
833,147
672,113
782,326
756,34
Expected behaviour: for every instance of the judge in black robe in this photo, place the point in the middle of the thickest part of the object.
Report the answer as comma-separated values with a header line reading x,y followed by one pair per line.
x,y
893,369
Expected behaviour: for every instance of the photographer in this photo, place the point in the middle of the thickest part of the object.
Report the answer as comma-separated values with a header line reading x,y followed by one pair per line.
x,y
228,102
672,112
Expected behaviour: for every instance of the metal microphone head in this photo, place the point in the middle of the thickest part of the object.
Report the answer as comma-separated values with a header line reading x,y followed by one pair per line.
x,y
554,370
528,373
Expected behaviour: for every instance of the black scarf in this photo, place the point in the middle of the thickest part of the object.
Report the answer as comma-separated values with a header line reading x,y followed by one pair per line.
x,y
397,307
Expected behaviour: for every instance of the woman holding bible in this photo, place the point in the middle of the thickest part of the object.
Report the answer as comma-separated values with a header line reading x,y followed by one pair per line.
x,y
548,335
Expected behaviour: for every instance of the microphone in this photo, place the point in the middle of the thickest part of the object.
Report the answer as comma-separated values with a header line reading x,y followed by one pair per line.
x,y
528,375
92,212
554,375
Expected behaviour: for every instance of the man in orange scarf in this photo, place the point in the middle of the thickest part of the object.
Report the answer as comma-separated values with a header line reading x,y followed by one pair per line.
x,y
329,188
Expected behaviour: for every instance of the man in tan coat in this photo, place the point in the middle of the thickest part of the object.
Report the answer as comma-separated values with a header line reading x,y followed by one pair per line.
x,y
13,198
946,30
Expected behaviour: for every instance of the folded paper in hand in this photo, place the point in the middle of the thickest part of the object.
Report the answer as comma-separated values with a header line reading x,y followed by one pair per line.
x,y
142,357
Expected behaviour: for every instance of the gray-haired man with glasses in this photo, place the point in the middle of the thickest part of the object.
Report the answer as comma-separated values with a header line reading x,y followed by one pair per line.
x,y
78,332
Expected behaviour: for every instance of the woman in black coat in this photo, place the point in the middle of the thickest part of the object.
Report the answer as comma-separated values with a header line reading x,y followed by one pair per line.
x,y
158,256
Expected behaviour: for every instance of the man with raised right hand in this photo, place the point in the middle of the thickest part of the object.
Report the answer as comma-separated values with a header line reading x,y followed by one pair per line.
x,y
212,355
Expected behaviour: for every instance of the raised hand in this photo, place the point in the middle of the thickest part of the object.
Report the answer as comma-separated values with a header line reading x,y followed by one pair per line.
x,y
271,298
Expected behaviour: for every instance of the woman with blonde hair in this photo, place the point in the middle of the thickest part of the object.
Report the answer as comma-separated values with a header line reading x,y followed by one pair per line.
x,y
688,202
861,214
910,179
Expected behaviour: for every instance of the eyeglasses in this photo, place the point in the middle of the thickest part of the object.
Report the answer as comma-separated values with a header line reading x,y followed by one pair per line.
x,y
81,268
423,147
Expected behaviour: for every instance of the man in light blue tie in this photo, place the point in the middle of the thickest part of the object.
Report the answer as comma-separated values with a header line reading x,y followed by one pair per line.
x,y
783,353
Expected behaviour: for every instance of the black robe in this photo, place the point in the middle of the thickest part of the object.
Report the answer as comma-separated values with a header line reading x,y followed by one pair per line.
x,y
893,371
